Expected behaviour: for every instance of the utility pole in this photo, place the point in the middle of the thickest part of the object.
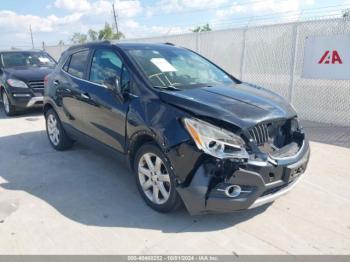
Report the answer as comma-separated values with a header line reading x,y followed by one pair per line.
x,y
31,35
115,19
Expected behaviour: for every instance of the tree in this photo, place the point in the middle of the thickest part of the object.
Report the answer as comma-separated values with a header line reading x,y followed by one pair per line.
x,y
92,35
79,38
346,13
107,33
205,28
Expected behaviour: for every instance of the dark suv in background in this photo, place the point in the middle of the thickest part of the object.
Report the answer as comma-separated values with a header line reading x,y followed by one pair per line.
x,y
22,79
189,130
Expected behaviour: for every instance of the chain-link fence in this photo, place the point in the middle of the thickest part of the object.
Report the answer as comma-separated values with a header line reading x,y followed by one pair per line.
x,y
56,50
272,56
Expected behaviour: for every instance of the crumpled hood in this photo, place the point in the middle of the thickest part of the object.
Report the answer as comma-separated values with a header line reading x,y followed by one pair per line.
x,y
243,105
28,73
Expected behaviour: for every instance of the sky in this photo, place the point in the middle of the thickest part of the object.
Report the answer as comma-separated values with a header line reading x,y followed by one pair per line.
x,y
55,20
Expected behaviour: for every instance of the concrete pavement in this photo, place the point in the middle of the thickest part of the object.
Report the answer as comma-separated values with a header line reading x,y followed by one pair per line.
x,y
84,202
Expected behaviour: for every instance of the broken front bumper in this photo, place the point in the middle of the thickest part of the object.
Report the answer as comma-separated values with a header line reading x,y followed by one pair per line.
x,y
261,183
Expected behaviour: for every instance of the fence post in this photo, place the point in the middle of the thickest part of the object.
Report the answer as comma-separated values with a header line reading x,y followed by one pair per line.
x,y
243,53
293,61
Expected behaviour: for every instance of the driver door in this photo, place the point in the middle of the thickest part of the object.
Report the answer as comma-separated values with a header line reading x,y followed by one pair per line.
x,y
103,110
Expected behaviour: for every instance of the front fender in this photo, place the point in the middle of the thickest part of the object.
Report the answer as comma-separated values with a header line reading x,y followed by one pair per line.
x,y
162,122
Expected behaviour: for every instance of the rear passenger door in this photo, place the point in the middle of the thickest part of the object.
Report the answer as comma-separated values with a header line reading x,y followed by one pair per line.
x,y
69,84
104,112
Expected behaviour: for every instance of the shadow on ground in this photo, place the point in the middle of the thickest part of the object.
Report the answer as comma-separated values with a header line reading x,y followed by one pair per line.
x,y
95,189
92,188
327,133
32,112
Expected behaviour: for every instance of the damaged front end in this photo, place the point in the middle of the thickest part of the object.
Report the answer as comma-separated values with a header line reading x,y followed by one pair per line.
x,y
240,176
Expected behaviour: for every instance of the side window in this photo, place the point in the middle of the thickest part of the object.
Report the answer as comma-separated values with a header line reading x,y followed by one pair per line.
x,y
66,64
77,63
125,81
106,68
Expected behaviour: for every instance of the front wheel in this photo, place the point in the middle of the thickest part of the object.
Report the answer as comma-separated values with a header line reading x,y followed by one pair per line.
x,y
155,179
55,132
10,110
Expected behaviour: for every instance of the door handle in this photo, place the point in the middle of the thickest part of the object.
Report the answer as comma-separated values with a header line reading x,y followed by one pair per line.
x,y
85,96
56,82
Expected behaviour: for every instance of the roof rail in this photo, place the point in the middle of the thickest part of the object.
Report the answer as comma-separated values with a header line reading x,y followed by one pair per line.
x,y
89,44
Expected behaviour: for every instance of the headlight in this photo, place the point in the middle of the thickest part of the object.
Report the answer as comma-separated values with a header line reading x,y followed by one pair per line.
x,y
215,141
17,83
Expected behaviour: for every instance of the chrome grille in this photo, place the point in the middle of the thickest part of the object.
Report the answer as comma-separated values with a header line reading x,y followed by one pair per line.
x,y
36,85
260,134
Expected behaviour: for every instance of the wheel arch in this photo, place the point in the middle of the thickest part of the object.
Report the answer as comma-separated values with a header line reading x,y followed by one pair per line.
x,y
2,88
47,107
137,141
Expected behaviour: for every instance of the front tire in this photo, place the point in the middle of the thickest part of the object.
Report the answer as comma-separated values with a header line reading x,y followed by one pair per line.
x,y
155,179
57,135
9,109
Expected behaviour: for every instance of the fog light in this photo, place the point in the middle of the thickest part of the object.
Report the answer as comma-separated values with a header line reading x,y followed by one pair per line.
x,y
233,191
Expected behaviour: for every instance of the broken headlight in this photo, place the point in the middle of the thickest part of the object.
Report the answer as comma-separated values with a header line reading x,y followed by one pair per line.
x,y
215,141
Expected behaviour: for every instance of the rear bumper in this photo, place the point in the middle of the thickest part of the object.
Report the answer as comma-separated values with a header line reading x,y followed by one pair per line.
x,y
261,183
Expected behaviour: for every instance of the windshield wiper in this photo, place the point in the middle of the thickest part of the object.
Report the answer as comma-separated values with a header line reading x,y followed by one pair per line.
x,y
167,87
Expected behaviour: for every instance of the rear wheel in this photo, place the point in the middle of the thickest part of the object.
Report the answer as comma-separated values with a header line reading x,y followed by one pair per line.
x,y
55,132
155,179
9,109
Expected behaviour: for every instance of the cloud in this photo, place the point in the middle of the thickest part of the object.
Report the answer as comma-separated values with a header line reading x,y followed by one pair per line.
x,y
15,28
255,8
124,8
73,5
169,6
13,22
81,16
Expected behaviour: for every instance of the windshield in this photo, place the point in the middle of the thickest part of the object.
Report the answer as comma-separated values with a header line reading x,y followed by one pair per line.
x,y
27,59
178,68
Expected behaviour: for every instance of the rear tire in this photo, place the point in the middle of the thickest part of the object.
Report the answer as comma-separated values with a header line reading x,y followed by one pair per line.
x,y
57,135
9,109
155,179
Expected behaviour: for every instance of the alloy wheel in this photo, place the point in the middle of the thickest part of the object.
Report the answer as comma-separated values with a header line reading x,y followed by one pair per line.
x,y
6,102
52,129
154,178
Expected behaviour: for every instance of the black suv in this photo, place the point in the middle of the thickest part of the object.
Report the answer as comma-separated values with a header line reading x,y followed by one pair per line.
x,y
22,76
189,130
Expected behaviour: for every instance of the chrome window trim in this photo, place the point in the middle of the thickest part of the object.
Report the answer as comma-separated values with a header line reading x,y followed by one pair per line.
x,y
81,79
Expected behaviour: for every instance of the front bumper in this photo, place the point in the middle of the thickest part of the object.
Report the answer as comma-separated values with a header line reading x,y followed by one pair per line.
x,y
26,98
261,183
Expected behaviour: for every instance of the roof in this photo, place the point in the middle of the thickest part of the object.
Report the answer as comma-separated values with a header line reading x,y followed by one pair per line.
x,y
123,45
22,51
